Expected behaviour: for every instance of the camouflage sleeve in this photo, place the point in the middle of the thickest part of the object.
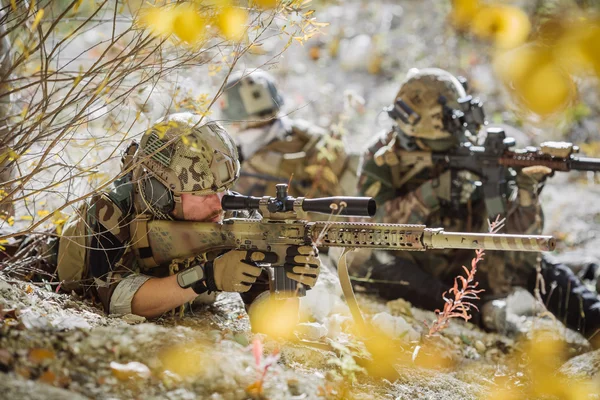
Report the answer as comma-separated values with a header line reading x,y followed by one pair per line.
x,y
374,180
393,207
110,260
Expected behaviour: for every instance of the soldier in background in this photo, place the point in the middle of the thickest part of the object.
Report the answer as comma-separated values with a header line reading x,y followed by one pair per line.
x,y
406,193
180,171
275,148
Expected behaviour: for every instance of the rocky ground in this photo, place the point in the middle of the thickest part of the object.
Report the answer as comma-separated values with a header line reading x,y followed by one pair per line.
x,y
57,346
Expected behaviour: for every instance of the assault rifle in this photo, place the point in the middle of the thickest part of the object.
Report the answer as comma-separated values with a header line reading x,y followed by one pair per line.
x,y
491,160
284,223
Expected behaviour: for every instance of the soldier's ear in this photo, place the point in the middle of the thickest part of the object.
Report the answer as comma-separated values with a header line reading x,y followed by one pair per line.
x,y
158,195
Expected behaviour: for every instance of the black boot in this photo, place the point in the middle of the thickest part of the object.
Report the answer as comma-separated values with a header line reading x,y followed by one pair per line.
x,y
570,300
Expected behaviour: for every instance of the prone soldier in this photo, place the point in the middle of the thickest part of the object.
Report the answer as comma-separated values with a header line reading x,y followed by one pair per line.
x,y
412,190
180,171
275,148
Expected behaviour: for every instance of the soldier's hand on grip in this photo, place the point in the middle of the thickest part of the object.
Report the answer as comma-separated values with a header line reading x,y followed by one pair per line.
x,y
528,181
302,264
236,270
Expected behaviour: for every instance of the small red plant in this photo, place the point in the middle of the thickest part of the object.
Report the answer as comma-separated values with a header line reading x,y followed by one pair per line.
x,y
262,366
464,291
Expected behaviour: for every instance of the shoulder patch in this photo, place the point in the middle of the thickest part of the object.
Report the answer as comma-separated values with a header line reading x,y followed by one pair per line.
x,y
107,213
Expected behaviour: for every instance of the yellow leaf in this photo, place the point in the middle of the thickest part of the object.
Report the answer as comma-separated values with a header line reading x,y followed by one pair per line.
x,y
13,4
232,23
536,79
100,87
463,12
578,49
43,213
158,20
189,25
77,5
38,18
12,155
506,26
257,48
182,359
26,218
266,4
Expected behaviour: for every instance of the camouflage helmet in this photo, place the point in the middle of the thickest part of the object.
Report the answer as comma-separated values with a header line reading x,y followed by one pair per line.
x,y
176,156
250,96
432,104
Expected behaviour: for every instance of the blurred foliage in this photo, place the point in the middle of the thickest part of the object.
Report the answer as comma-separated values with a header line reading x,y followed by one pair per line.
x,y
536,57
534,374
86,76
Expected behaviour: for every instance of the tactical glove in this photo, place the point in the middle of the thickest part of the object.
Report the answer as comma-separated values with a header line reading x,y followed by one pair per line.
x,y
529,181
302,264
236,270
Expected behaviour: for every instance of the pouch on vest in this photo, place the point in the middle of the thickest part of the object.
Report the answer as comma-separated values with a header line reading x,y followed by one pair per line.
x,y
72,254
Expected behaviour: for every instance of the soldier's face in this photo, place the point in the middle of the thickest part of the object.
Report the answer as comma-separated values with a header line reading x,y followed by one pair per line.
x,y
202,208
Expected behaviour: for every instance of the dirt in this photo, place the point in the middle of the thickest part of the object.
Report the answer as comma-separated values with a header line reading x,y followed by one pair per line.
x,y
56,345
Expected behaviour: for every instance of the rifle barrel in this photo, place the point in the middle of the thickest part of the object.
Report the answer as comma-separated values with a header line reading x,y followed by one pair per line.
x,y
419,238
585,164
554,163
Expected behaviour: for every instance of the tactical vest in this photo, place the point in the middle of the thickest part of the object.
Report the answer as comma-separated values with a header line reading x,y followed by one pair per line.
x,y
113,210
304,155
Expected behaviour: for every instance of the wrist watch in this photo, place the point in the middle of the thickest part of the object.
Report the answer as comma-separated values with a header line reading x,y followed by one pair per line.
x,y
193,277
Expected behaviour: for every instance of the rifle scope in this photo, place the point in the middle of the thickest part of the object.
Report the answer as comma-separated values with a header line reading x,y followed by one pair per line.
x,y
352,206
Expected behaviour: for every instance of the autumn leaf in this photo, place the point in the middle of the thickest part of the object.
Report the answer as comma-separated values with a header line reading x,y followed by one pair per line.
x,y
189,25
232,23
158,20
535,79
463,12
265,4
37,19
38,355
506,26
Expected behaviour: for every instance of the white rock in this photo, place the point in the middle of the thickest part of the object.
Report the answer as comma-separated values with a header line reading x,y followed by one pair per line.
x,y
335,324
323,298
4,285
395,327
311,330
354,53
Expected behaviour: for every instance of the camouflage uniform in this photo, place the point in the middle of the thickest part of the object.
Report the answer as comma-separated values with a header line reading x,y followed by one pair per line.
x,y
276,148
425,112
99,252
416,203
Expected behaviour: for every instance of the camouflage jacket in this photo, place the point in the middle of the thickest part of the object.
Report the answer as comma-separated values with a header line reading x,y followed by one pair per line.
x,y
95,255
413,203
316,163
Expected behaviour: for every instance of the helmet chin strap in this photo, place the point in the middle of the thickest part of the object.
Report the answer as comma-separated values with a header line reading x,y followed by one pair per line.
x,y
178,206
